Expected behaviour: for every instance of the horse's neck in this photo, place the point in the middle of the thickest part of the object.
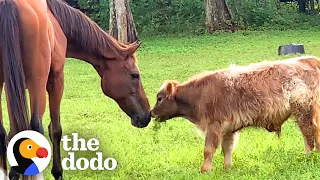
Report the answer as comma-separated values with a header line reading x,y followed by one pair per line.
x,y
111,50
75,52
95,61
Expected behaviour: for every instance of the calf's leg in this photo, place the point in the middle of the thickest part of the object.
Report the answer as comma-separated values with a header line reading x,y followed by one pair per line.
x,y
308,130
212,140
318,140
228,143
316,122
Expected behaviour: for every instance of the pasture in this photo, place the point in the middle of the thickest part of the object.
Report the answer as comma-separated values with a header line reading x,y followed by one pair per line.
x,y
174,150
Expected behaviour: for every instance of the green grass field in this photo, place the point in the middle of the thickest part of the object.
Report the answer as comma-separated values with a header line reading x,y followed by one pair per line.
x,y
175,150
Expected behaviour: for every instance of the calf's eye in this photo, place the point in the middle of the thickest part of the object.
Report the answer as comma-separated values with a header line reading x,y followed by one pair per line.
x,y
159,99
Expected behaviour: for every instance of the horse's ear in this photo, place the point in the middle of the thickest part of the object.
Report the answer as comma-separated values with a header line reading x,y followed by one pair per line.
x,y
133,47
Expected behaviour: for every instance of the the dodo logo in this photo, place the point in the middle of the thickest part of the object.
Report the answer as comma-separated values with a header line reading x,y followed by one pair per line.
x,y
29,152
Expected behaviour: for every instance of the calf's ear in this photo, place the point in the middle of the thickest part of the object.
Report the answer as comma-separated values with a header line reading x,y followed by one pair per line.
x,y
170,88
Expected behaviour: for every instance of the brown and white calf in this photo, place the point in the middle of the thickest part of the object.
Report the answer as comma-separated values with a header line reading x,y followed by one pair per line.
x,y
262,95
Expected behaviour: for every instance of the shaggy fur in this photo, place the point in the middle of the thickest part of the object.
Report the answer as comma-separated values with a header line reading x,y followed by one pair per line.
x,y
261,95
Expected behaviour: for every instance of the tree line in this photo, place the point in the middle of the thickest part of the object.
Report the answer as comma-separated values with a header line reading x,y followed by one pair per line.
x,y
199,16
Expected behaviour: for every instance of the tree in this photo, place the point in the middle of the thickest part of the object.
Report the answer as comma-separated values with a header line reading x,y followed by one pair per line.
x,y
218,16
302,5
122,26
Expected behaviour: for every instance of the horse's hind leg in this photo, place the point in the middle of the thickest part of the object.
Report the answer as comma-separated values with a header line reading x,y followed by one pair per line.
x,y
37,105
55,90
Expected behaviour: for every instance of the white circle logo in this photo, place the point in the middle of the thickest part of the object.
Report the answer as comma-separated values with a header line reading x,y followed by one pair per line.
x,y
29,153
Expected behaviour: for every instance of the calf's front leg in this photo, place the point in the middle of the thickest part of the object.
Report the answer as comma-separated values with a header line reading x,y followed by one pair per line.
x,y
212,141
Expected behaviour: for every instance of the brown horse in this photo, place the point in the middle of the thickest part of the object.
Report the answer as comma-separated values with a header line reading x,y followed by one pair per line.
x,y
35,38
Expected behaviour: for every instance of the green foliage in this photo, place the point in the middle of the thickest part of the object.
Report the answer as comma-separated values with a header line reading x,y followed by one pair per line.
x,y
158,17
96,10
270,14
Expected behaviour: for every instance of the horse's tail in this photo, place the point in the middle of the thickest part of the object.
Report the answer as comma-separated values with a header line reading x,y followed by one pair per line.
x,y
12,65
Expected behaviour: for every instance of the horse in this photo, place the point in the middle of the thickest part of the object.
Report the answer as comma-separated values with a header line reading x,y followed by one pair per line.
x,y
35,39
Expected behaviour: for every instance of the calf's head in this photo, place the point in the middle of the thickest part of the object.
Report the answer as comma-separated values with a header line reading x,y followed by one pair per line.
x,y
166,106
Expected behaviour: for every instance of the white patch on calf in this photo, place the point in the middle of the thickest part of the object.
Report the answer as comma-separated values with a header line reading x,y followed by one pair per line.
x,y
201,132
235,140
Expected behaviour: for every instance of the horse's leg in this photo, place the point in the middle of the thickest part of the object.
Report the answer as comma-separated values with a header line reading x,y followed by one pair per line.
x,y
37,104
55,90
36,84
37,94
55,86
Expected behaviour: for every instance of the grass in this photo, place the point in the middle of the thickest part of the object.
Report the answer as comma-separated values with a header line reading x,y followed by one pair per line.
x,y
174,150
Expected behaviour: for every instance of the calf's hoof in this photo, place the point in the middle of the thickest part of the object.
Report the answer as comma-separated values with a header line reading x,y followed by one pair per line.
x,y
318,148
227,166
205,168
307,152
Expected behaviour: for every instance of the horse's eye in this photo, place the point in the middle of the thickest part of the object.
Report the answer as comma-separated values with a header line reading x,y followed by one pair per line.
x,y
159,99
135,75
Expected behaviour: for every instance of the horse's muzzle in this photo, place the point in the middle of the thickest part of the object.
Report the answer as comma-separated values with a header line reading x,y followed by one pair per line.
x,y
141,122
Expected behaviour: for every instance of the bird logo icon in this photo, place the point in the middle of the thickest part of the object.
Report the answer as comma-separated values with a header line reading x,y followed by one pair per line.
x,y
29,153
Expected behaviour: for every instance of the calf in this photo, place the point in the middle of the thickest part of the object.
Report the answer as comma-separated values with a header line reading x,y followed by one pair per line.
x,y
263,95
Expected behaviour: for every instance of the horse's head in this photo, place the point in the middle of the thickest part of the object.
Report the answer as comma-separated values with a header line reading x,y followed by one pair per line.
x,y
121,81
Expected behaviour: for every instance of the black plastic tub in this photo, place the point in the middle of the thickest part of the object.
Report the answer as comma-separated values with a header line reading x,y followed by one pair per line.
x,y
291,49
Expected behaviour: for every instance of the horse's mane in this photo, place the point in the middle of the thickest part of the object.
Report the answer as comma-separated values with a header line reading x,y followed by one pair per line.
x,y
83,32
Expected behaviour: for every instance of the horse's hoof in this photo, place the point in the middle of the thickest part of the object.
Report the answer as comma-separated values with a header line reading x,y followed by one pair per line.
x,y
14,176
56,174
